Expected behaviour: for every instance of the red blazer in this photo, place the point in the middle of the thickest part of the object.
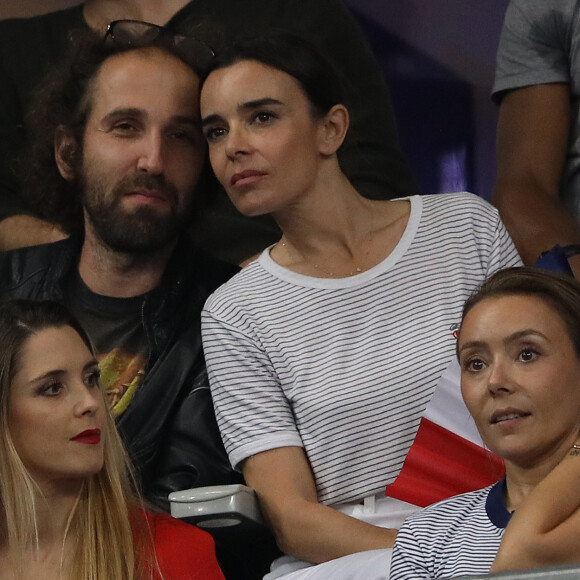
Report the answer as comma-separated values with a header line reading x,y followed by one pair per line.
x,y
184,552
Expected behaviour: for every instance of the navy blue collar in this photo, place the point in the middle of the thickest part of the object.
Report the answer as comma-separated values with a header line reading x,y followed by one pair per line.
x,y
495,505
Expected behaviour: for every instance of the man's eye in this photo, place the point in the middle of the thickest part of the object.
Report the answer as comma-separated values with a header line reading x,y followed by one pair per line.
x,y
189,136
124,127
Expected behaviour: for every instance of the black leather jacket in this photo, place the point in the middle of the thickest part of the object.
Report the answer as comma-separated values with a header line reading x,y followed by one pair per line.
x,y
169,427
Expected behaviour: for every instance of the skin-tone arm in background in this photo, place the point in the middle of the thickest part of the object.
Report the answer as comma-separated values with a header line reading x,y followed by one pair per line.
x,y
19,231
304,528
532,138
545,528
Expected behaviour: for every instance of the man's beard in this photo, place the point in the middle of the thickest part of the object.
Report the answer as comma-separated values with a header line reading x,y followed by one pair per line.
x,y
144,230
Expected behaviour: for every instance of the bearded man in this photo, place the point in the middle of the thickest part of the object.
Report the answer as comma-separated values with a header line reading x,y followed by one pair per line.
x,y
117,157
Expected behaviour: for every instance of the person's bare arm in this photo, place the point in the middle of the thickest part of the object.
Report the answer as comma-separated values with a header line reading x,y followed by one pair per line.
x,y
545,528
532,137
20,231
305,529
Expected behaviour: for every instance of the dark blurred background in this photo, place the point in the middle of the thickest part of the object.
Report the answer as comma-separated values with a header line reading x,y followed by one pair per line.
x,y
438,57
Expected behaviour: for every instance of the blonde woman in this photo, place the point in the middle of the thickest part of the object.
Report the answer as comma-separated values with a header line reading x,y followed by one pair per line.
x,y
67,509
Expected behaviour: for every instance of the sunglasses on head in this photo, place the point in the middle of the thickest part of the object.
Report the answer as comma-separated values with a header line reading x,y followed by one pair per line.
x,y
135,34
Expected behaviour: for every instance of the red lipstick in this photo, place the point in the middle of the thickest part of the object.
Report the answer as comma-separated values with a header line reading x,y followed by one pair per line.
x,y
89,437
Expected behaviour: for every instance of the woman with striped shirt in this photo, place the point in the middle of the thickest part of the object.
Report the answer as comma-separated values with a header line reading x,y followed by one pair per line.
x,y
519,351
324,353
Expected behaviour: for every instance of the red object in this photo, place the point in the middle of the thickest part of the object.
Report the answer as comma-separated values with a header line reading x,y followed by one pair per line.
x,y
184,552
441,464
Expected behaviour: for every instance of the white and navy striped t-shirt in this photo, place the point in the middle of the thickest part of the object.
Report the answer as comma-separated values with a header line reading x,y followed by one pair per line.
x,y
456,537
345,367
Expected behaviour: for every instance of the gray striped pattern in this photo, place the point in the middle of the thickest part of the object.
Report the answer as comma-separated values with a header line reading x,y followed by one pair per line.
x,y
451,538
346,367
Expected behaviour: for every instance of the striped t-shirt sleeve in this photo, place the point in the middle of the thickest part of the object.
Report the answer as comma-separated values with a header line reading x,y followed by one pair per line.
x,y
451,538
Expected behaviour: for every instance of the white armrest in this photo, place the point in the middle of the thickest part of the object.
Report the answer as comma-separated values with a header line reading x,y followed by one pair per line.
x,y
216,506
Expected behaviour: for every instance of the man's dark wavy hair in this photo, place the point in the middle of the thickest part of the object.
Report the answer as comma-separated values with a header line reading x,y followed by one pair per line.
x,y
63,99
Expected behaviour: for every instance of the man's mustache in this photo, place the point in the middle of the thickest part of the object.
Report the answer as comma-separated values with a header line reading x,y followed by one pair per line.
x,y
151,182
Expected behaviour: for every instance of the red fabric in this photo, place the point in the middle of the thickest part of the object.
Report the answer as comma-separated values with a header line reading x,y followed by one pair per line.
x,y
184,552
441,464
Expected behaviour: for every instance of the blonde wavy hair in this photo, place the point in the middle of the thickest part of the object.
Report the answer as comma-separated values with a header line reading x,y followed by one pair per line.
x,y
112,539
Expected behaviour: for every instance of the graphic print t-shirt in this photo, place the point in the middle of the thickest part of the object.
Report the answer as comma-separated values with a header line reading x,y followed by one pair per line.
x,y
116,329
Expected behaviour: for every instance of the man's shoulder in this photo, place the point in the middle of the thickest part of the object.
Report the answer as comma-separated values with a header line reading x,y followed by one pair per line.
x,y
200,268
525,13
536,45
21,266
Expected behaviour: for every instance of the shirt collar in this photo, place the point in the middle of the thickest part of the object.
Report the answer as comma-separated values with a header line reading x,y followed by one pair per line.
x,y
495,506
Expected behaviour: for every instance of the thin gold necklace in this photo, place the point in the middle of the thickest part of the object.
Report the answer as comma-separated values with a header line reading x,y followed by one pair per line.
x,y
357,269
